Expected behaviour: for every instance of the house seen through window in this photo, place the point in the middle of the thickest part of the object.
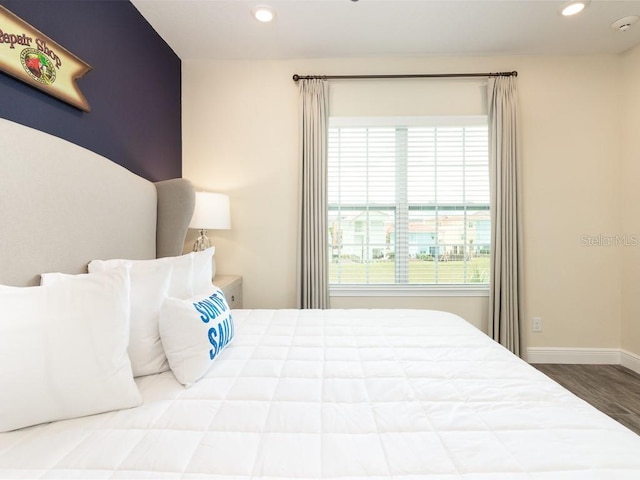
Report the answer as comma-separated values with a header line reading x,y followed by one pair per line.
x,y
408,201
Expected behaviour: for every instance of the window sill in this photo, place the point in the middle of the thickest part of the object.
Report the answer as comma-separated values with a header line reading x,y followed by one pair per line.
x,y
393,290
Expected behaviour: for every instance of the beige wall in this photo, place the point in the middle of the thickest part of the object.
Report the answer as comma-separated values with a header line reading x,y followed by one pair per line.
x,y
240,137
630,206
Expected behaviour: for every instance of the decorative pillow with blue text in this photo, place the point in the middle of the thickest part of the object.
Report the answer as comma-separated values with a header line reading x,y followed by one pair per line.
x,y
194,332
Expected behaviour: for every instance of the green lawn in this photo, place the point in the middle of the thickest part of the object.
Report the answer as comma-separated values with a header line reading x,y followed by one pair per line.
x,y
476,270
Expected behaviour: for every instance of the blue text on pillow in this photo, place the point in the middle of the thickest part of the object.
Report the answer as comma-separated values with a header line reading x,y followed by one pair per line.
x,y
210,308
224,334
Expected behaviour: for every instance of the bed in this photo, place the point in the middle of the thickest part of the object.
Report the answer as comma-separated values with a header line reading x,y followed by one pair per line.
x,y
296,394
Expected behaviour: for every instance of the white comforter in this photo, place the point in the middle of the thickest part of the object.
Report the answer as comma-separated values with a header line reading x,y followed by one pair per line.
x,y
369,394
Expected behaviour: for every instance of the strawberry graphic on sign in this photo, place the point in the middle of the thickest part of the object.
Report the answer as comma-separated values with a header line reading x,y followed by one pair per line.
x,y
38,66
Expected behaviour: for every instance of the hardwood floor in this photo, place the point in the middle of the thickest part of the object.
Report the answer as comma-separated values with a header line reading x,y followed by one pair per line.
x,y
612,389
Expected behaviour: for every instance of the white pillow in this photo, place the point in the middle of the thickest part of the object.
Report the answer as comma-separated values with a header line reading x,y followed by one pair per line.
x,y
194,332
192,273
181,281
204,269
63,349
150,281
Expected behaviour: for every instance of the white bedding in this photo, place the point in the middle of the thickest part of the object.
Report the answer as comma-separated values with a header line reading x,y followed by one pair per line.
x,y
335,394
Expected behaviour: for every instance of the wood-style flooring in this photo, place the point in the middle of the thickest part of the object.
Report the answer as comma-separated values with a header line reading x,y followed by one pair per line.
x,y
612,389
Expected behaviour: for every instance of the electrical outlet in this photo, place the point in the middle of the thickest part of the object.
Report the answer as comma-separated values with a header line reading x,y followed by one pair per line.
x,y
537,324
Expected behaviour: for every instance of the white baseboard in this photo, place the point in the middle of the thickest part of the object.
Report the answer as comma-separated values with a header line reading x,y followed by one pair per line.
x,y
593,356
630,360
601,356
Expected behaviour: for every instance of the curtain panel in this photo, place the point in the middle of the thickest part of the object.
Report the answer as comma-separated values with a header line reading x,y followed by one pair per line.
x,y
506,235
312,264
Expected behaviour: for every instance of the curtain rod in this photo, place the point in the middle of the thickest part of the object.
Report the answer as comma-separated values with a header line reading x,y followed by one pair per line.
x,y
297,77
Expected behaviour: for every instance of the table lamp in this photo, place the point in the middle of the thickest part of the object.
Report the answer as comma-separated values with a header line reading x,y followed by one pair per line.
x,y
210,213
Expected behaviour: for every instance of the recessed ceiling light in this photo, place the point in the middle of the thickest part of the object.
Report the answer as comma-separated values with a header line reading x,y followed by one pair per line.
x,y
572,8
263,13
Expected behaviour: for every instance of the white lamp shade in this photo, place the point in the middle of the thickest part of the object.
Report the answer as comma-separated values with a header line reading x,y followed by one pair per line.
x,y
211,212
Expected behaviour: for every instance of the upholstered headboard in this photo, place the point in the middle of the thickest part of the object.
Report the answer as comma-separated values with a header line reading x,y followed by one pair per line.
x,y
62,206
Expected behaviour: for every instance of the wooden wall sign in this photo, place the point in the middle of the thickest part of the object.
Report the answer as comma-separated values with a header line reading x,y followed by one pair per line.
x,y
34,58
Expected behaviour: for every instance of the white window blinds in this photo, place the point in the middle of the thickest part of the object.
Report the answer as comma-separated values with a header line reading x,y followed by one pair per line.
x,y
408,201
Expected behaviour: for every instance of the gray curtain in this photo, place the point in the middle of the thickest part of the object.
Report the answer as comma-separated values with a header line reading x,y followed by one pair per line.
x,y
504,300
313,278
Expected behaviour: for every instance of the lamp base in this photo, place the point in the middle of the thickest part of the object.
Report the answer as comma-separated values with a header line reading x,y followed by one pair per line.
x,y
202,243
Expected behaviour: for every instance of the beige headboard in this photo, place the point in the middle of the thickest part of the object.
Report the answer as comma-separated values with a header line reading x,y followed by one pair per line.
x,y
62,206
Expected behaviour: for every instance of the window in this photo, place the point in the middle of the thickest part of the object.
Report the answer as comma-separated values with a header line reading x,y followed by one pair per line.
x,y
408,201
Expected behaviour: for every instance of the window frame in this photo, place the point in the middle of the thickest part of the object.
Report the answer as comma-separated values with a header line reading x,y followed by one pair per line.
x,y
409,289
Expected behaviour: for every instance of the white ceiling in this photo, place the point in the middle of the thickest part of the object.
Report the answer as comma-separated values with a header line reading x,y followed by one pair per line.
x,y
225,29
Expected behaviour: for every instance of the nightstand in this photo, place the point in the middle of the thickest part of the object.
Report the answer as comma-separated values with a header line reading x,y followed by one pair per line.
x,y
231,286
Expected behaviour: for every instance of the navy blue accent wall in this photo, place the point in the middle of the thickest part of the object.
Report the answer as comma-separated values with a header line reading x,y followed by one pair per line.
x,y
134,89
